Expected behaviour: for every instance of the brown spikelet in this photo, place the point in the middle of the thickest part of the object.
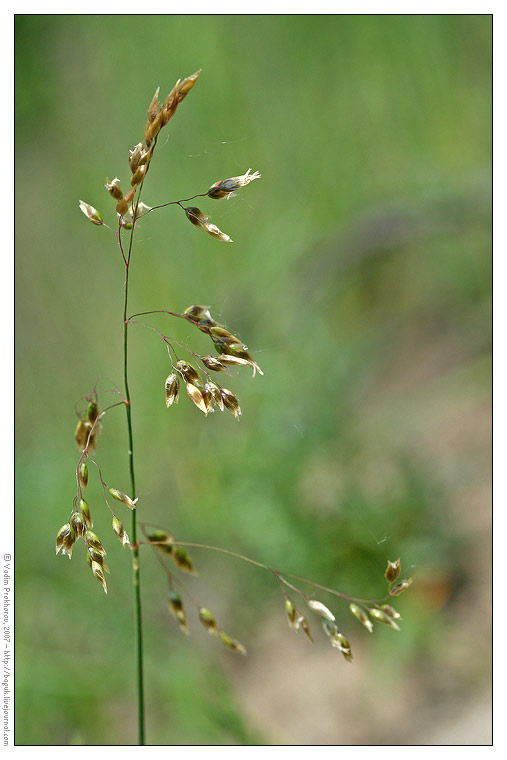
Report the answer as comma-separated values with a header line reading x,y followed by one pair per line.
x,y
392,570
196,397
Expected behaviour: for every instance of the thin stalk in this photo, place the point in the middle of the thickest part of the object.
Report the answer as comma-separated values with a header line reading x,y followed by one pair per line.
x,y
133,535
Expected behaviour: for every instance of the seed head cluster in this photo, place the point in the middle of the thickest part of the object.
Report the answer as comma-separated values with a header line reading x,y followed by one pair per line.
x,y
80,522
365,613
204,392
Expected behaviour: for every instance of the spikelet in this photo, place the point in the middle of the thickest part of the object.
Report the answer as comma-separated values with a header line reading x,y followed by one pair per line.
x,y
225,188
231,643
172,389
337,639
82,475
188,372
196,397
85,511
382,617
163,541
120,496
177,610
361,615
78,524
208,621
400,587
120,532
65,539
230,402
321,609
392,570
91,213
296,620
98,571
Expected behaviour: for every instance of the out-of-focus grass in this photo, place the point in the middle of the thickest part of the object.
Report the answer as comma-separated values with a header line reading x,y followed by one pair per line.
x,y
359,277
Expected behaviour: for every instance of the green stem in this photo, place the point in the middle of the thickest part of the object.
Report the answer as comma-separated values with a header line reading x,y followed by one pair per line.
x,y
133,534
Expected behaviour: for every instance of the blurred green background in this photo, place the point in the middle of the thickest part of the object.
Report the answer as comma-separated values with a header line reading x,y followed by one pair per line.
x,y
360,277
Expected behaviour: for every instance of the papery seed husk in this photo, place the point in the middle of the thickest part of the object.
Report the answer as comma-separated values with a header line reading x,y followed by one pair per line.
x,y
99,574
207,397
381,617
199,313
337,639
196,216
93,540
135,156
61,533
83,475
225,187
292,615
305,627
195,396
296,620
361,615
120,496
85,511
216,394
392,570
240,350
91,213
64,539
137,209
188,372
223,334
78,524
213,230
320,609
113,188
172,389
237,360
153,108
122,207
390,611
187,84
120,532
330,628
231,402
213,363
67,548
136,179
171,102
400,587
96,556
81,433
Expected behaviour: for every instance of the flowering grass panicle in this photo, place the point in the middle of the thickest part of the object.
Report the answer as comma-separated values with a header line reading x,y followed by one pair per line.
x,y
200,375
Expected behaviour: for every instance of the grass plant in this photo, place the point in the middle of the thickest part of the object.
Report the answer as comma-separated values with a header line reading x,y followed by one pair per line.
x,y
194,375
